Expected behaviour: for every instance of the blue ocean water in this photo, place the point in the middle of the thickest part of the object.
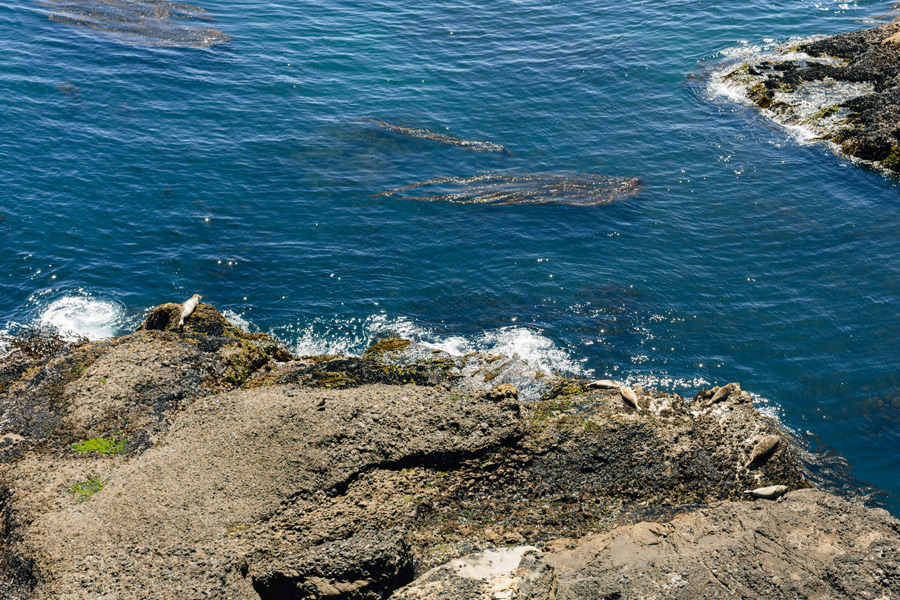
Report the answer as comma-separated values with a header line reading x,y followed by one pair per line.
x,y
133,175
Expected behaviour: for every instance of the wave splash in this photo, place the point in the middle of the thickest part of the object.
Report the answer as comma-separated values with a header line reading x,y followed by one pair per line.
x,y
521,356
82,316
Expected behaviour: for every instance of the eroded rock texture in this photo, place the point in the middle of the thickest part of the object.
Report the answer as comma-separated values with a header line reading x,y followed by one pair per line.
x,y
206,462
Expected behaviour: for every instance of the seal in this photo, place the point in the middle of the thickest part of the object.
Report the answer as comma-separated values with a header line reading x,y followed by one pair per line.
x,y
603,384
628,396
724,392
762,451
773,492
188,308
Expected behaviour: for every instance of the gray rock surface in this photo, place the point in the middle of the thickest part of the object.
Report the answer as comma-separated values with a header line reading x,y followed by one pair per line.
x,y
809,545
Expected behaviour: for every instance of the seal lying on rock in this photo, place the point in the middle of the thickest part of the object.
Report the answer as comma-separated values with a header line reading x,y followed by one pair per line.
x,y
629,396
724,392
603,384
772,492
762,451
188,307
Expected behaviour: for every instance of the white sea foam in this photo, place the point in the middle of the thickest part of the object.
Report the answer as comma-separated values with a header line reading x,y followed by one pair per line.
x,y
353,336
772,410
238,320
530,353
84,316
527,345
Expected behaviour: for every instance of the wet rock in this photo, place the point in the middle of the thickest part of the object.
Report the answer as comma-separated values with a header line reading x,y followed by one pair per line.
x,y
844,88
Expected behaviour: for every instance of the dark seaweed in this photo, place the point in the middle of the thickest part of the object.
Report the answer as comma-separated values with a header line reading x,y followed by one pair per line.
x,y
427,134
581,189
146,22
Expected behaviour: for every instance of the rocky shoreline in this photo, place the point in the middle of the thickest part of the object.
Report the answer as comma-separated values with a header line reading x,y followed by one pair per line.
x,y
208,462
843,89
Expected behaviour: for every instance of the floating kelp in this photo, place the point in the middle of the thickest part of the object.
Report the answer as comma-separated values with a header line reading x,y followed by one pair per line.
x,y
147,22
581,189
427,134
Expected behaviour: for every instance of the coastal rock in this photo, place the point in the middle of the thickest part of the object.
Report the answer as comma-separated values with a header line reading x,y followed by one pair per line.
x,y
505,573
810,545
845,89
233,463
209,463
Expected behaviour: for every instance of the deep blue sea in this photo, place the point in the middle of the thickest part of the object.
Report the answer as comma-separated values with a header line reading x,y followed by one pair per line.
x,y
132,175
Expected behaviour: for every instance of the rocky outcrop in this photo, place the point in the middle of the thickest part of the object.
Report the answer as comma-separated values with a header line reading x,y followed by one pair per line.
x,y
844,88
207,462
809,545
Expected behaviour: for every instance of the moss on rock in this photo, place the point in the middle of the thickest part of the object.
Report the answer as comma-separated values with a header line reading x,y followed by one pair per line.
x,y
83,490
100,445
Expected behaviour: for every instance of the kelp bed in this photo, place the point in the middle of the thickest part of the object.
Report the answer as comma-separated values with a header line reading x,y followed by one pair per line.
x,y
449,140
580,189
145,22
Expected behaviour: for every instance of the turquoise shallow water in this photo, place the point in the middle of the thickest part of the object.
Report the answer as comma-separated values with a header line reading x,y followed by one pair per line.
x,y
134,175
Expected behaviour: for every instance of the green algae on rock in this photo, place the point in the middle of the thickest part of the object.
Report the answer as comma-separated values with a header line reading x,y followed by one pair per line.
x,y
83,490
99,445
